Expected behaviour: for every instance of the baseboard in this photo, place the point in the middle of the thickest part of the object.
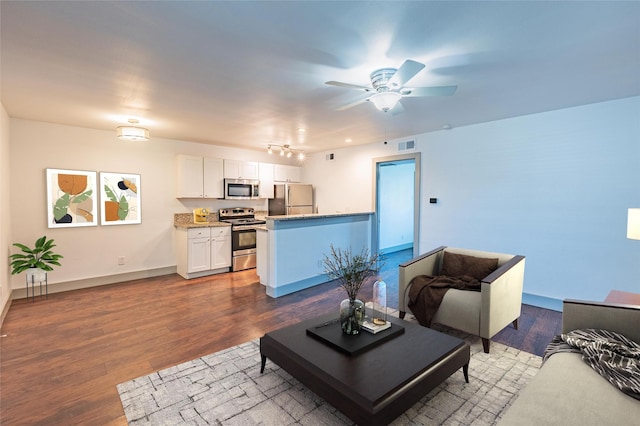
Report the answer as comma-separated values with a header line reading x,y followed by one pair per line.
x,y
542,301
396,248
21,293
283,290
5,311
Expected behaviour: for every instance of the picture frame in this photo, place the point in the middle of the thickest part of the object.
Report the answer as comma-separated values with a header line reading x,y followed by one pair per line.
x,y
71,198
120,200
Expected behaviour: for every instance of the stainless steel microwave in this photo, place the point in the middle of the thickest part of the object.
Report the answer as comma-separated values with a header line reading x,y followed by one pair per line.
x,y
241,189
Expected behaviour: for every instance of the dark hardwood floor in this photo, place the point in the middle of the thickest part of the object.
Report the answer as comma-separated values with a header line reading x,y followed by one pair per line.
x,y
62,357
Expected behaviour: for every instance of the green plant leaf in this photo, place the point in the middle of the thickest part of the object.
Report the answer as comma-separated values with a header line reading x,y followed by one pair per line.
x,y
81,197
61,206
41,256
110,194
123,208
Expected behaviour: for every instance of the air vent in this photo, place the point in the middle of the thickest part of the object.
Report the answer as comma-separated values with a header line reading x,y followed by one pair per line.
x,y
406,146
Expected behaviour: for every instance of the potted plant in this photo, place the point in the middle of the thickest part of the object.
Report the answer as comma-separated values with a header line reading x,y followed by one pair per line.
x,y
35,261
351,270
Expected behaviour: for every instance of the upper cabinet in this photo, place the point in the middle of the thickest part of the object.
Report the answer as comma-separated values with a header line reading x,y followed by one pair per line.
x,y
200,177
234,169
284,173
266,180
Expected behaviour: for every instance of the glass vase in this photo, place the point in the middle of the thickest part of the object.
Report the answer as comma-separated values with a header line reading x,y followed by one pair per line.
x,y
351,315
379,314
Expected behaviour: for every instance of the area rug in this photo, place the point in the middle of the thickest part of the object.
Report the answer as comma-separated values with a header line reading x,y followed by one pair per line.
x,y
226,388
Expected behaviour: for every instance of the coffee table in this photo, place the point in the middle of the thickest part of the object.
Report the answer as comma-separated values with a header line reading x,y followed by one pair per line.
x,y
375,386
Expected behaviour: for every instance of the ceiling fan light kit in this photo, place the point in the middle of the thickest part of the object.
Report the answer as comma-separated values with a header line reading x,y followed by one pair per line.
x,y
385,101
132,132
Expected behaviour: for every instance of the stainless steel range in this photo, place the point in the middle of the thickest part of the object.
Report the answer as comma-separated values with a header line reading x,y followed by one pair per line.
x,y
243,236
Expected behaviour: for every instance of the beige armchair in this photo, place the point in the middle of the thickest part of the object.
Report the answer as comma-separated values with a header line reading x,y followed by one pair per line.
x,y
482,313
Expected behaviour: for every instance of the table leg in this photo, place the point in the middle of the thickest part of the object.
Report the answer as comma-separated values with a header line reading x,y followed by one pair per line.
x,y
263,363
465,371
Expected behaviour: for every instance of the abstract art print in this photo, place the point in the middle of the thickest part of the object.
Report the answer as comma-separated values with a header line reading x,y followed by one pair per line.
x,y
71,198
120,198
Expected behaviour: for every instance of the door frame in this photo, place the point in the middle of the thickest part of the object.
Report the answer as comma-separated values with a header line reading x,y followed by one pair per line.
x,y
416,198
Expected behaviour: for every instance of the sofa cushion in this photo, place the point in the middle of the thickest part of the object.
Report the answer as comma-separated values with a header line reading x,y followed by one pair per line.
x,y
455,265
566,391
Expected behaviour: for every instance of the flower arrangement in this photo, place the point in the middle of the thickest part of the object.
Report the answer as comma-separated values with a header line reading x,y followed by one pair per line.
x,y
351,270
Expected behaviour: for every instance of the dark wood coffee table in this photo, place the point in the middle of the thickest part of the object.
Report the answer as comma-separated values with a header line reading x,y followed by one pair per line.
x,y
376,386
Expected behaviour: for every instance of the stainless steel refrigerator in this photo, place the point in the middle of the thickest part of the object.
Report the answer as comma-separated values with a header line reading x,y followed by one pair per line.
x,y
291,198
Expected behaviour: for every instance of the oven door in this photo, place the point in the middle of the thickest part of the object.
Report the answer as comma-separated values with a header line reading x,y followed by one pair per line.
x,y
243,240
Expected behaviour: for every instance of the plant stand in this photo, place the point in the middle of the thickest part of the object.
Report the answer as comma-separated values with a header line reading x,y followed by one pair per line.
x,y
32,279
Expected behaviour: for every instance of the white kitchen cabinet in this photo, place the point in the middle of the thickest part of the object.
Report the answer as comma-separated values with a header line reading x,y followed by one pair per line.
x,y
213,177
285,173
220,247
266,180
234,169
199,254
203,251
200,177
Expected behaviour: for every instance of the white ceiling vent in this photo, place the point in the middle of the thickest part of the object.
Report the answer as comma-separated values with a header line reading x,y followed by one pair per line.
x,y
407,146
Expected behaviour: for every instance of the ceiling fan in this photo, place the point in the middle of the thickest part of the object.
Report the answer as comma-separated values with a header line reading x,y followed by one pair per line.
x,y
387,87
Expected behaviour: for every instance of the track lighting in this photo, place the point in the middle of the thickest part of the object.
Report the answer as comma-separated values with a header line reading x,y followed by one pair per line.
x,y
286,150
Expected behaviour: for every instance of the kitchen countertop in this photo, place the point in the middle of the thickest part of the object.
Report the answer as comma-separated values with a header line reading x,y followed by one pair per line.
x,y
313,216
185,221
201,225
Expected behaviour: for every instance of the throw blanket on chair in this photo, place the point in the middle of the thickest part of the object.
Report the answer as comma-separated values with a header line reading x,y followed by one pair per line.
x,y
426,293
611,354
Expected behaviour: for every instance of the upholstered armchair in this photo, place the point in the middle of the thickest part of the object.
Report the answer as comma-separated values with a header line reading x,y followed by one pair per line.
x,y
482,313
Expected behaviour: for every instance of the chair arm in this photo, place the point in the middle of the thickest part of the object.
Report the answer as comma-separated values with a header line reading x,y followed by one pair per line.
x,y
623,319
426,264
504,268
502,297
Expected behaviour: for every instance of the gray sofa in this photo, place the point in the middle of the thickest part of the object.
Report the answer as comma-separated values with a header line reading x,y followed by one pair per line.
x,y
566,391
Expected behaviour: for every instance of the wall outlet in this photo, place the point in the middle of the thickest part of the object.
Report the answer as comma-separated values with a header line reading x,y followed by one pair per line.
x,y
120,260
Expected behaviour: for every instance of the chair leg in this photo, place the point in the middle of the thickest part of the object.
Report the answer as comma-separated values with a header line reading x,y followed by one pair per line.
x,y
485,345
402,314
516,322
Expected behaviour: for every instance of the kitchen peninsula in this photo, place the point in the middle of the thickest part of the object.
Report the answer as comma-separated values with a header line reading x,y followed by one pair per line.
x,y
291,248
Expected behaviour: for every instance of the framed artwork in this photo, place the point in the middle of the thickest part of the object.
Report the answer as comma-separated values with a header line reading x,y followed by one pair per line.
x,y
71,198
119,199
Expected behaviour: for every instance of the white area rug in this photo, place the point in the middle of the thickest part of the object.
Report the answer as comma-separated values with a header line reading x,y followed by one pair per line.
x,y
226,388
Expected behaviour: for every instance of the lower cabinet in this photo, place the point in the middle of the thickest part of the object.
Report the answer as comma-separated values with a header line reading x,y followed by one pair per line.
x,y
203,251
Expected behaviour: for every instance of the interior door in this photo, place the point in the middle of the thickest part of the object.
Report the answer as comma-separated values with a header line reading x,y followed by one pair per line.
x,y
394,205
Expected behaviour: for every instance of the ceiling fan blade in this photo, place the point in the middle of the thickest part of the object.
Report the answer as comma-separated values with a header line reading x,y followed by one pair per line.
x,y
398,109
429,91
405,73
352,104
349,86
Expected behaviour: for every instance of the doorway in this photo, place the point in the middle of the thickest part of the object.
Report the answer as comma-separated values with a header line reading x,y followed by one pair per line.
x,y
396,189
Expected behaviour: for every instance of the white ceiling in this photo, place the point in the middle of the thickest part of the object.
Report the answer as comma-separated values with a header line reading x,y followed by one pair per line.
x,y
251,73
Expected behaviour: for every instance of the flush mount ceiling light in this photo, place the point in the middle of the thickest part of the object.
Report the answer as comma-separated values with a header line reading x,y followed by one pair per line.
x,y
385,101
286,150
132,132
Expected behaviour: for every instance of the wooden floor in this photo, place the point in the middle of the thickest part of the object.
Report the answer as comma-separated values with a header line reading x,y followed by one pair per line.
x,y
62,357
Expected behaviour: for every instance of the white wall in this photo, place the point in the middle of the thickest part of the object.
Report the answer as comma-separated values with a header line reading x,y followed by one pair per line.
x,y
5,203
92,252
554,187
